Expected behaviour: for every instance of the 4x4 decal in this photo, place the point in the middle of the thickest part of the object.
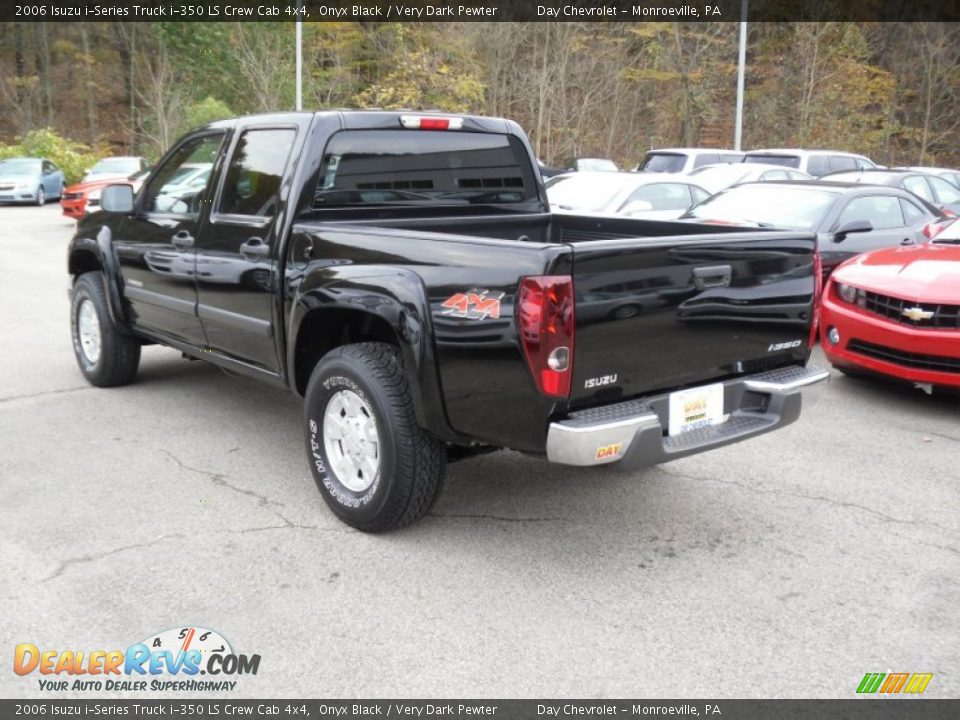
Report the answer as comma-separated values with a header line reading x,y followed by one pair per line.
x,y
474,305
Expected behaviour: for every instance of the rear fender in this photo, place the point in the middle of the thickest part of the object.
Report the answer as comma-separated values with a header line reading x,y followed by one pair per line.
x,y
394,297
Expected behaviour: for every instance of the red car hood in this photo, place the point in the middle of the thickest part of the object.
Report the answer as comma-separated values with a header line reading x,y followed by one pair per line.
x,y
86,187
925,273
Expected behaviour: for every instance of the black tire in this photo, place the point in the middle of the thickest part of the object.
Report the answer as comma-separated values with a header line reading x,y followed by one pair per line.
x,y
41,196
411,461
119,353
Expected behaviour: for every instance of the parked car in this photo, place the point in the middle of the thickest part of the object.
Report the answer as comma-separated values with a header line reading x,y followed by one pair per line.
x,y
896,313
651,196
935,190
684,160
116,168
715,178
848,218
30,180
948,174
812,162
548,172
418,334
593,165
84,197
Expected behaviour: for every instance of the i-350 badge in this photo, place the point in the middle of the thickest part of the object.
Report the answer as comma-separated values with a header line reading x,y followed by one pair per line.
x,y
474,304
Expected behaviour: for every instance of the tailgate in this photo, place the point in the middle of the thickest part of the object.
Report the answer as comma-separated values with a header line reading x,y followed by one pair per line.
x,y
662,313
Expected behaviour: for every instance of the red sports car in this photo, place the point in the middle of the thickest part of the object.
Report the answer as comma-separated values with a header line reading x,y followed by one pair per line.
x,y
81,198
896,312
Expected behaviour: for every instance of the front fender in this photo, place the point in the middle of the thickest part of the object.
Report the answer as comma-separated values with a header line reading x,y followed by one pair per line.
x,y
100,249
398,298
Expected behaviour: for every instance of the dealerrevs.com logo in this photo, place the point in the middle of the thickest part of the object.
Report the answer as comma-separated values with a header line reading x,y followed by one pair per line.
x,y
172,660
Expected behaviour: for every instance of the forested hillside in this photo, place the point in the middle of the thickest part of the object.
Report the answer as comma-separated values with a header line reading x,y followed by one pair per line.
x,y
608,89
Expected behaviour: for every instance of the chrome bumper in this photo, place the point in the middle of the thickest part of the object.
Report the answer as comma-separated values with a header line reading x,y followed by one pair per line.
x,y
632,432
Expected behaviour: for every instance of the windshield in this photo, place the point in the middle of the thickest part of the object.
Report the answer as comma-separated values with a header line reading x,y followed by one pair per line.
x,y
410,167
119,166
663,162
599,164
587,192
19,167
767,205
791,161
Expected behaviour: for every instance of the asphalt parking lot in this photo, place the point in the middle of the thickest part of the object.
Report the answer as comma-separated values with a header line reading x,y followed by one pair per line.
x,y
786,566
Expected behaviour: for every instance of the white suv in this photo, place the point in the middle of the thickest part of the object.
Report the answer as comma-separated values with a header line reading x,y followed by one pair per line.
x,y
812,162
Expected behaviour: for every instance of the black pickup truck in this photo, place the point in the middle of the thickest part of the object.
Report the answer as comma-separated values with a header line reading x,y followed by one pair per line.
x,y
402,273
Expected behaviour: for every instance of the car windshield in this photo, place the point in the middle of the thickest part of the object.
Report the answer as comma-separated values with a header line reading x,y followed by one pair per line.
x,y
19,167
663,162
791,161
587,192
722,174
599,164
767,205
116,165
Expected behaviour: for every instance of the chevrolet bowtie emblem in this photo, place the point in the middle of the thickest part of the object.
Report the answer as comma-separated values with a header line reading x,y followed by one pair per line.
x,y
917,314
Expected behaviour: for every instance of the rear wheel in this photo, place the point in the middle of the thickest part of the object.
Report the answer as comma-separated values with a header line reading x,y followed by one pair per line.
x,y
106,356
375,467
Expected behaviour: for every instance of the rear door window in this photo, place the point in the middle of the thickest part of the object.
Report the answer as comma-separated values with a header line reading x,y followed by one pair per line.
x,y
839,163
791,161
945,191
918,186
255,171
912,213
423,167
818,165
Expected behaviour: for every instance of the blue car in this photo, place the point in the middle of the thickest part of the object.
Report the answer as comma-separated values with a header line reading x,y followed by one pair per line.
x,y
30,180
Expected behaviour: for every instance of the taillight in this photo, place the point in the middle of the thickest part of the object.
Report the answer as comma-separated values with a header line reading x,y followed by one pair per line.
x,y
546,330
931,230
419,122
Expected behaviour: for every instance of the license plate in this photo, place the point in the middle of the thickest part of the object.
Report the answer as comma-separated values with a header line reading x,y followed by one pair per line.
x,y
696,408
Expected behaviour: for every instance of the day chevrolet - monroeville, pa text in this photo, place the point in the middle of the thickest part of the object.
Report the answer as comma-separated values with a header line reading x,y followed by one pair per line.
x,y
403,273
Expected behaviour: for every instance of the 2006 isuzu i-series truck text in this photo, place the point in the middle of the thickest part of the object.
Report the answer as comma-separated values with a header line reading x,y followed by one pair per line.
x,y
402,272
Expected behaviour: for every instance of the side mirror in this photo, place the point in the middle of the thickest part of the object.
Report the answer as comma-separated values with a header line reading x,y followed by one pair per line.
x,y
637,206
853,226
117,199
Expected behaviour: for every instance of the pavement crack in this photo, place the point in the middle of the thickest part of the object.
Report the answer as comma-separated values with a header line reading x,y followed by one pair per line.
x,y
94,557
44,393
496,518
816,498
221,480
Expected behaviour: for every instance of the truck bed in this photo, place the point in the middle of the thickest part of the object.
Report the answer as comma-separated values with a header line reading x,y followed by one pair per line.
x,y
646,321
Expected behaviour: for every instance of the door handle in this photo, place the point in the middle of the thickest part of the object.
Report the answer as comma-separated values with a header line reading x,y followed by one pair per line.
x,y
712,277
182,240
256,247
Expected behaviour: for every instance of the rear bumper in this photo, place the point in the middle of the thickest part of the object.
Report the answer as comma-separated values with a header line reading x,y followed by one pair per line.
x,y
632,432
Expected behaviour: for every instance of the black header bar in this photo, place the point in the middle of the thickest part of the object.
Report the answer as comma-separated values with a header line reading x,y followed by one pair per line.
x,y
477,10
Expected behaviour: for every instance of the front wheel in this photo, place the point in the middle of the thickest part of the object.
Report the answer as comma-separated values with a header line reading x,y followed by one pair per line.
x,y
375,467
107,357
41,196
